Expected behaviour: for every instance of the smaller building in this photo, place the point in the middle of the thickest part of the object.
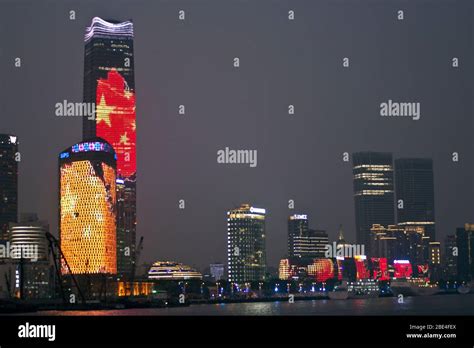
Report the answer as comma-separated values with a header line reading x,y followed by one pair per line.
x,y
450,257
217,271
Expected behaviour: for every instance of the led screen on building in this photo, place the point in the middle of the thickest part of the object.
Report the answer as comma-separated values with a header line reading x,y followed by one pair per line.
x,y
321,269
115,117
402,269
87,216
379,268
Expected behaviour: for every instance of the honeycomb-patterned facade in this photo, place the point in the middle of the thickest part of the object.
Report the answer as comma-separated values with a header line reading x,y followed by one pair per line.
x,y
88,217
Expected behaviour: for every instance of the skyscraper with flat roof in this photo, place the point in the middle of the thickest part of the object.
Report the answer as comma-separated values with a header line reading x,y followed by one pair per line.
x,y
304,242
8,183
373,193
246,244
414,187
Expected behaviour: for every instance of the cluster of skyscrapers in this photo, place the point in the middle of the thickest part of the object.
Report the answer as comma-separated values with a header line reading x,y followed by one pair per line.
x,y
394,200
97,175
394,219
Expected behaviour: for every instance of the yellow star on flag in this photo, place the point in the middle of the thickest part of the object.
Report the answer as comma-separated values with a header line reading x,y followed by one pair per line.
x,y
124,139
103,112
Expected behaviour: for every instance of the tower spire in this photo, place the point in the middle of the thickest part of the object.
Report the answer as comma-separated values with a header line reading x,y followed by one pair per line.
x,y
340,239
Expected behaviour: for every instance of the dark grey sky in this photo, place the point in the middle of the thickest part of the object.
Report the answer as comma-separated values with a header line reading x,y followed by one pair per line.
x,y
282,62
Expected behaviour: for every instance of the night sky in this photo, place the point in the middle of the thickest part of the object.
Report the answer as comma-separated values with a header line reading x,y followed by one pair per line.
x,y
282,62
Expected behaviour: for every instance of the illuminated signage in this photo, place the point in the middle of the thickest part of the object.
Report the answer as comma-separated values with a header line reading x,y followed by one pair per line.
x,y
92,146
300,217
257,210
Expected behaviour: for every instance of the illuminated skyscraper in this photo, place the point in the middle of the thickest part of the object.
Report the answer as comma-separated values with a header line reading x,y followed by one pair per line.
x,y
414,187
87,217
304,242
400,242
8,183
246,244
373,193
465,245
109,82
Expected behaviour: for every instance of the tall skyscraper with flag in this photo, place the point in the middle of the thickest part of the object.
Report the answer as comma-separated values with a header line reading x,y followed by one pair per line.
x,y
109,83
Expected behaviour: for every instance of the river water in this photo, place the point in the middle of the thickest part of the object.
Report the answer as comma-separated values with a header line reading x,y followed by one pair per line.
x,y
422,305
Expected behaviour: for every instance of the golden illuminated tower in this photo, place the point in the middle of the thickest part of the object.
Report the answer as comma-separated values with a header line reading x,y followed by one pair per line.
x,y
87,216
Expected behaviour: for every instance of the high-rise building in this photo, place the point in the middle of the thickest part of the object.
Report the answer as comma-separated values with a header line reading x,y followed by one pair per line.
x,y
465,245
450,257
34,277
400,242
414,187
126,226
246,244
373,193
8,182
109,82
304,242
87,217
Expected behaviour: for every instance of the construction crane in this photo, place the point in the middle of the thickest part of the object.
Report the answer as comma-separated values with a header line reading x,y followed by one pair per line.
x,y
53,242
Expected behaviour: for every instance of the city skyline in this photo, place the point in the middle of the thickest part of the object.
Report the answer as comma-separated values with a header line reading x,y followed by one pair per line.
x,y
186,169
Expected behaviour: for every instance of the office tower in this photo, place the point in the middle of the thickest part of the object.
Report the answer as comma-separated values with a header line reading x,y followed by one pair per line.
x,y
383,242
400,242
246,244
373,193
217,271
8,182
414,187
87,218
304,242
34,275
450,257
109,82
465,245
298,226
126,226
